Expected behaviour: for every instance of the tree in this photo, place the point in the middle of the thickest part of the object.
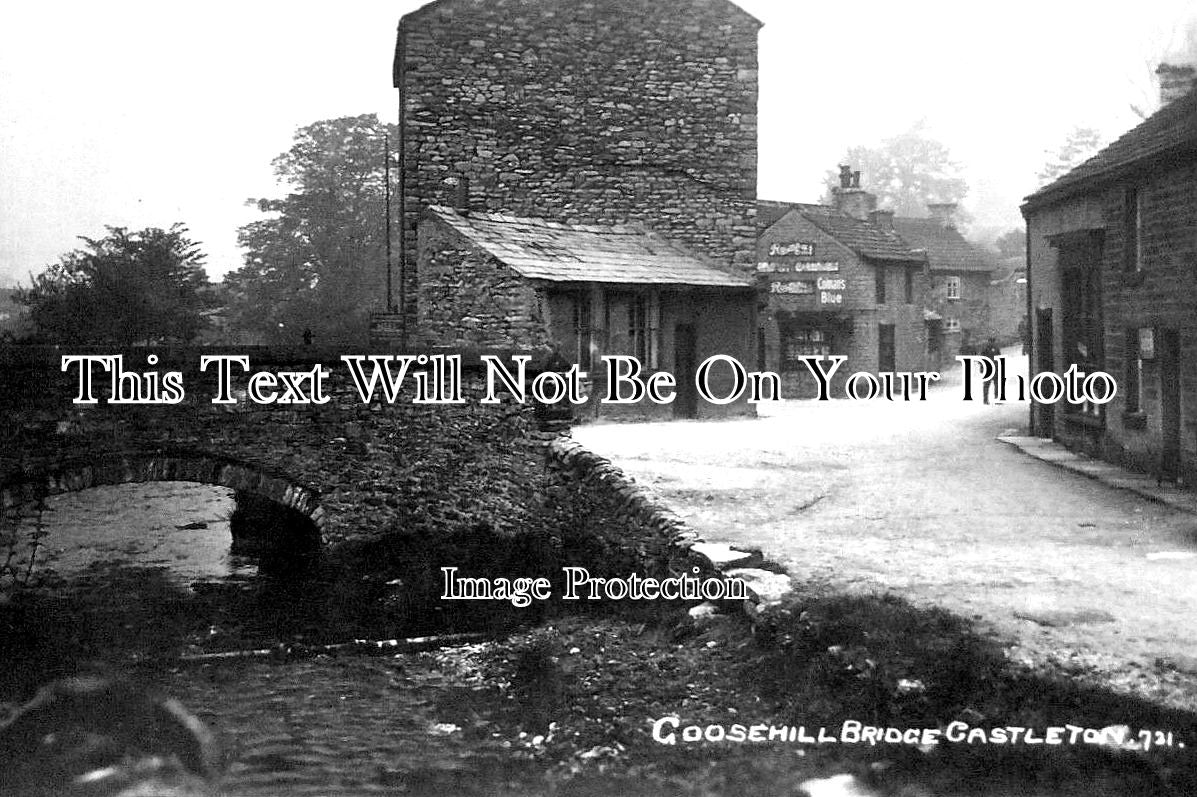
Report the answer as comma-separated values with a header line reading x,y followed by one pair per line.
x,y
1012,243
1079,146
906,172
128,287
318,262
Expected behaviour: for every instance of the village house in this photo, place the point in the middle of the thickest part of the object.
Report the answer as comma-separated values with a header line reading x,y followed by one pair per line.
x,y
957,303
606,113
586,291
1112,274
838,280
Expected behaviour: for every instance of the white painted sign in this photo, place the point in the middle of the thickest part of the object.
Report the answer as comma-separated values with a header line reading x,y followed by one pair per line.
x,y
799,288
769,267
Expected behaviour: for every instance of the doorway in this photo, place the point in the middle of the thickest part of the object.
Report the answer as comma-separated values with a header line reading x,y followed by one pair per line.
x,y
685,347
1169,404
885,348
1044,361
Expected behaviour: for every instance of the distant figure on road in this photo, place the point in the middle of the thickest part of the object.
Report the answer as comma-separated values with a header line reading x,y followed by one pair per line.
x,y
990,350
307,336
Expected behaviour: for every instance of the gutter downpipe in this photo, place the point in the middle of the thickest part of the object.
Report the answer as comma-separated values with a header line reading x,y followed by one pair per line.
x,y
1032,327
400,75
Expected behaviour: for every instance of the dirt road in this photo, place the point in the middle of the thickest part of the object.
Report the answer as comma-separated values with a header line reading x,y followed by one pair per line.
x,y
923,501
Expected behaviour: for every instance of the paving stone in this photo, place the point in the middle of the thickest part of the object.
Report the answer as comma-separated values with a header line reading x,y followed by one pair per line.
x,y
724,556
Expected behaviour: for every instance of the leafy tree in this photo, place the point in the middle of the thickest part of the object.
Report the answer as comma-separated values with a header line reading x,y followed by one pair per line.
x,y
128,287
1012,243
318,262
1079,146
906,172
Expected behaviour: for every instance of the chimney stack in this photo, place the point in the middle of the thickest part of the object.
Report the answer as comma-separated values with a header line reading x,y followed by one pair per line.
x,y
944,213
850,198
1175,81
460,198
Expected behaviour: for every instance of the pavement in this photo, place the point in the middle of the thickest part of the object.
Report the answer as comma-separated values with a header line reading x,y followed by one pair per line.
x,y
1061,556
1046,450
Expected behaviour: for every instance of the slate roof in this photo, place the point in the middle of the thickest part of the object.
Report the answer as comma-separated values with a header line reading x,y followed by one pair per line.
x,y
769,212
947,249
546,250
862,237
1170,130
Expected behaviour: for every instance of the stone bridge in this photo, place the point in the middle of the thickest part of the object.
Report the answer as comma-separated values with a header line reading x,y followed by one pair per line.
x,y
345,464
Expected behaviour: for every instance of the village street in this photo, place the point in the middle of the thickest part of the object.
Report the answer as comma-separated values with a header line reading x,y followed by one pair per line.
x,y
922,501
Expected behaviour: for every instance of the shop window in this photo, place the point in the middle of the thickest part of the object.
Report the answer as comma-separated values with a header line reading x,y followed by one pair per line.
x,y
582,332
953,287
802,342
633,324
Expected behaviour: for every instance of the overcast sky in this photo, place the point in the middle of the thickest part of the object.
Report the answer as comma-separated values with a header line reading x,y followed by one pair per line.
x,y
147,113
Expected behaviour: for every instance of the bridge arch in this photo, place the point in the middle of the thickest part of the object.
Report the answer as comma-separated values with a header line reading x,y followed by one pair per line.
x,y
132,467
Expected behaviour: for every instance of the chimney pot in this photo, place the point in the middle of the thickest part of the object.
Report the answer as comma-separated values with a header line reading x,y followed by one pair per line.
x,y
846,176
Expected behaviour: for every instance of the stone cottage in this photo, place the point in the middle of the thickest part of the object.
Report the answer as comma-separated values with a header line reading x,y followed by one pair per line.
x,y
498,281
590,112
837,279
957,302
1112,275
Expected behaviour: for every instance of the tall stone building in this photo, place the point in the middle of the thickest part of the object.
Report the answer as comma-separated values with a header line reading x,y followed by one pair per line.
x,y
582,112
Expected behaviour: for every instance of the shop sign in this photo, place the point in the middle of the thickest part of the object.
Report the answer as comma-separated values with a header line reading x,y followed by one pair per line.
x,y
794,249
831,290
799,288
769,267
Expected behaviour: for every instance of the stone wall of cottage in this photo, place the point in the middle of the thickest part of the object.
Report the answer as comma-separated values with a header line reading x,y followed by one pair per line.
x,y
1161,295
468,298
600,111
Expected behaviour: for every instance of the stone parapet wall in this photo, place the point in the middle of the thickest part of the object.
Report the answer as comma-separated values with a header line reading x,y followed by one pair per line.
x,y
640,506
347,464
574,461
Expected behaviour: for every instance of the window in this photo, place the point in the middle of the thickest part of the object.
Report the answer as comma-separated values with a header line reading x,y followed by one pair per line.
x,y
582,331
1083,336
1133,378
1132,226
951,325
633,326
953,287
638,329
802,341
909,286
880,277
